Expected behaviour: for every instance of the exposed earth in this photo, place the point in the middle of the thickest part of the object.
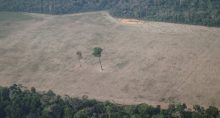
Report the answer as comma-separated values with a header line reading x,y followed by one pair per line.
x,y
131,21
150,62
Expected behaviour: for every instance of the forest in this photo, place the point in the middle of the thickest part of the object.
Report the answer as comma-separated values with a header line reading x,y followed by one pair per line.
x,y
17,101
196,12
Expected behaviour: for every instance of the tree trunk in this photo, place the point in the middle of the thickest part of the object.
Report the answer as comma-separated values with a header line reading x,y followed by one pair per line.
x,y
100,63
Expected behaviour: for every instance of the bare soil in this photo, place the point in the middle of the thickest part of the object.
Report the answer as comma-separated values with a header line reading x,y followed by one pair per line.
x,y
154,63
131,21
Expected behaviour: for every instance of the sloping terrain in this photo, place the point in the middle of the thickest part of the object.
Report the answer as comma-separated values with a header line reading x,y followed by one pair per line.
x,y
153,62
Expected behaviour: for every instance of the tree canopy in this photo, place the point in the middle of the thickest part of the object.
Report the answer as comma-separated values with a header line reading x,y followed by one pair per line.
x,y
198,12
17,101
97,52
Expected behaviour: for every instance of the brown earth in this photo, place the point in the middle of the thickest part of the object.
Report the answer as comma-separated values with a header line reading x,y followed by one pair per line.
x,y
155,63
131,21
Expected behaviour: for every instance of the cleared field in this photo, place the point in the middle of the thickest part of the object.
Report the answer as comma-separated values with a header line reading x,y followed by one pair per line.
x,y
155,63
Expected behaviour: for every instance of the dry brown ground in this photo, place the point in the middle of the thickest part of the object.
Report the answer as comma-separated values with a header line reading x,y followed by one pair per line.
x,y
155,63
131,21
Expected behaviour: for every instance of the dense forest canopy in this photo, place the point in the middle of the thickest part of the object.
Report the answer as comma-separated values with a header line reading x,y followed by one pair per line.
x,y
199,12
18,102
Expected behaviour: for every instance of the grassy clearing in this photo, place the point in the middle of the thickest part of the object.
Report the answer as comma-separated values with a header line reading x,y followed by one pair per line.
x,y
3,33
12,16
11,21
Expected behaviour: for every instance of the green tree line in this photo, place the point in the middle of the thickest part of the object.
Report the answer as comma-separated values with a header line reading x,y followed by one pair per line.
x,y
17,101
198,12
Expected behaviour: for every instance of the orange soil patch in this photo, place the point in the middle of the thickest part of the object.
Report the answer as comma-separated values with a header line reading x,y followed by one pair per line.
x,y
131,21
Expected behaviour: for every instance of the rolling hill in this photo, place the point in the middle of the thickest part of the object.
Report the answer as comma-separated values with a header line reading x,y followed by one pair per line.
x,y
154,62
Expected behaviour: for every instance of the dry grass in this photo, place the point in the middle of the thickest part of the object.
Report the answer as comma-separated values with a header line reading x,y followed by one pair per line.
x,y
156,63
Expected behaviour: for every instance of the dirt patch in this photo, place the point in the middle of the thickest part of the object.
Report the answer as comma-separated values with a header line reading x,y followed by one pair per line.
x,y
131,21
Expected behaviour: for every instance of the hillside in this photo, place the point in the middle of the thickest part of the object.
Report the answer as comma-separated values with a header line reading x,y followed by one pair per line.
x,y
154,62
197,12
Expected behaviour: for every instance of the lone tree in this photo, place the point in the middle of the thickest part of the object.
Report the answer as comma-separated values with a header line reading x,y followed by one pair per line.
x,y
97,52
79,54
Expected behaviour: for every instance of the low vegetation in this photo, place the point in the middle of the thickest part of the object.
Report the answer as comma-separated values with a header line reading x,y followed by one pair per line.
x,y
12,16
80,57
18,102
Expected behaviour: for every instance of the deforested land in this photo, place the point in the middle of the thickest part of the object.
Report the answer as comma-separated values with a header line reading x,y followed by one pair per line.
x,y
150,62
